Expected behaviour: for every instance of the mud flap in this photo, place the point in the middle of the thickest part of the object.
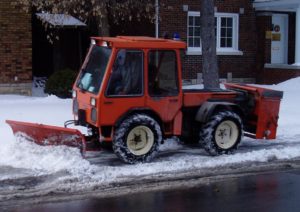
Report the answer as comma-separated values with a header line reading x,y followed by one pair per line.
x,y
47,135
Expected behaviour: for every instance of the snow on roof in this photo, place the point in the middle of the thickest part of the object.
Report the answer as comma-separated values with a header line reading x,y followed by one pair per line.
x,y
60,19
276,5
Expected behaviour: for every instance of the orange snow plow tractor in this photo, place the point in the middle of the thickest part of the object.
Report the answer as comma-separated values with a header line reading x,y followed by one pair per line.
x,y
129,94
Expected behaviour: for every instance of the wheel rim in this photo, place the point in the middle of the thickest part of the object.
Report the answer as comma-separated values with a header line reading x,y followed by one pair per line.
x,y
140,140
226,134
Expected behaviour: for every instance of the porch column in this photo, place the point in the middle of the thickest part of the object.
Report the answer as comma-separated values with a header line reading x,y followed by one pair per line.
x,y
297,46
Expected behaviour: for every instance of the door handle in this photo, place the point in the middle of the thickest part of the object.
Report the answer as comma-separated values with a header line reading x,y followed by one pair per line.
x,y
156,98
108,102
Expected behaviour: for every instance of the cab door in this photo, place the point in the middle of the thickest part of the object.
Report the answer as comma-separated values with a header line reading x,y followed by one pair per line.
x,y
164,95
125,87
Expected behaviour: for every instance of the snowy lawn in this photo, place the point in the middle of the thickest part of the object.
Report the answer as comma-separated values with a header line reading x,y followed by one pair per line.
x,y
34,160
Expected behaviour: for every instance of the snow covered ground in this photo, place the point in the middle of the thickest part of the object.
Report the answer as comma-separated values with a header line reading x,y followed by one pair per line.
x,y
21,159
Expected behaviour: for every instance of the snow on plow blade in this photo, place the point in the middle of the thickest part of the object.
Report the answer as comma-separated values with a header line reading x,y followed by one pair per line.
x,y
47,135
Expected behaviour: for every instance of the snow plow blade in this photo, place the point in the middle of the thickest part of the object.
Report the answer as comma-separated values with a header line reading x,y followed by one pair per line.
x,y
46,135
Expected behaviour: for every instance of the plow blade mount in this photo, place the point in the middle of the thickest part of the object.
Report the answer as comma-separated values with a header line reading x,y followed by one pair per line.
x,y
47,135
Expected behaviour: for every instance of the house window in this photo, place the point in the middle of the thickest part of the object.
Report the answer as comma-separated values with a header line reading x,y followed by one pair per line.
x,y
194,40
226,32
226,29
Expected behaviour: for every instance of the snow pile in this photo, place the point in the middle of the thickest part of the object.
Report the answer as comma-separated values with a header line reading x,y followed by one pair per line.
x,y
289,121
173,157
22,154
42,160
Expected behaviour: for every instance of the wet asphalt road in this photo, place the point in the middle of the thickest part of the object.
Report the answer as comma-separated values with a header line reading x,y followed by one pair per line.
x,y
277,191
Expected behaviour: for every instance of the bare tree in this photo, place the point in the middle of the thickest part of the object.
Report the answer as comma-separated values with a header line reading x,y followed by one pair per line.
x,y
208,41
97,10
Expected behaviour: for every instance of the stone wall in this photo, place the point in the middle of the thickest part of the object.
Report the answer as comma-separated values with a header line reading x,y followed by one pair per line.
x,y
16,88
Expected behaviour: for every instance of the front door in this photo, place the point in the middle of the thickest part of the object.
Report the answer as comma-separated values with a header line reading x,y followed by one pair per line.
x,y
279,44
164,93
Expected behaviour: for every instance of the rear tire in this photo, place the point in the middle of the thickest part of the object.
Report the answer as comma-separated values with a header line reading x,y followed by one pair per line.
x,y
137,138
222,133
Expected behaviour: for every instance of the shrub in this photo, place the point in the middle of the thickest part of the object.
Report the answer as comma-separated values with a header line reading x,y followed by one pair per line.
x,y
60,83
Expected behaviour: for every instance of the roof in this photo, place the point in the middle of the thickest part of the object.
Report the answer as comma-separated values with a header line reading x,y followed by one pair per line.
x,y
141,42
60,20
276,5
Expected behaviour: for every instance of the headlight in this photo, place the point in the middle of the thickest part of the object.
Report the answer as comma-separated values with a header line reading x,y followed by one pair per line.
x,y
93,102
74,94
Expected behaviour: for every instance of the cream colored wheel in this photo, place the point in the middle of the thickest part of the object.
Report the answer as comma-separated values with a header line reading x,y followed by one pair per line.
x,y
140,140
226,134
222,133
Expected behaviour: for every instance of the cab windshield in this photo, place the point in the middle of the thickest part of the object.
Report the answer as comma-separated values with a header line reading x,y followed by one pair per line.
x,y
92,74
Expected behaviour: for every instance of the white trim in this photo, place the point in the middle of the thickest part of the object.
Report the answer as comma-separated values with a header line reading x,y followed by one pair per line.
x,y
282,66
193,13
234,50
276,5
235,30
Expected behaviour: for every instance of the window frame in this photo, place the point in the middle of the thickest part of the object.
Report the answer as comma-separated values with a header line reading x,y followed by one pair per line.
x,y
193,14
234,50
142,76
176,72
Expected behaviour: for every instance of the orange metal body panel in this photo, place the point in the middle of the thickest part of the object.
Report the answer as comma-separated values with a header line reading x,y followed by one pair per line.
x,y
113,108
266,110
177,127
196,99
49,135
140,42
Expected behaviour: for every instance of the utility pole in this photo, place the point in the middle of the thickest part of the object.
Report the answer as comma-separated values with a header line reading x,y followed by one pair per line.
x,y
156,18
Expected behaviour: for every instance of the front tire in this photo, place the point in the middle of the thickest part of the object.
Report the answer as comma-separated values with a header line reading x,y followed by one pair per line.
x,y
222,133
136,139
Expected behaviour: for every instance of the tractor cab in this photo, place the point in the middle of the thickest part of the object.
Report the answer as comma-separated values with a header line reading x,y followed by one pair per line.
x,y
124,74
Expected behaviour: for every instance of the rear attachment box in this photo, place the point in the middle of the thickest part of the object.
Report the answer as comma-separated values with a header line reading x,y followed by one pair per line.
x,y
263,121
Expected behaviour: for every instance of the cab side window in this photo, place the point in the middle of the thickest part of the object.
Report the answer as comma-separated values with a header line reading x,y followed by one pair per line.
x,y
162,73
127,74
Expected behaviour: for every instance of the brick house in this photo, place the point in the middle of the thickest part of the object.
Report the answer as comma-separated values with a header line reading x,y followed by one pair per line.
x,y
257,41
249,46
15,49
25,51
278,30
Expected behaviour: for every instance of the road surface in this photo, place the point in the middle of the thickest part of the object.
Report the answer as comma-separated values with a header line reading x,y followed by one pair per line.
x,y
272,191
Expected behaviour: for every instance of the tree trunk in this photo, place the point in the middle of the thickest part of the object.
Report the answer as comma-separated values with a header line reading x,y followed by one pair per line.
x,y
103,24
208,42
